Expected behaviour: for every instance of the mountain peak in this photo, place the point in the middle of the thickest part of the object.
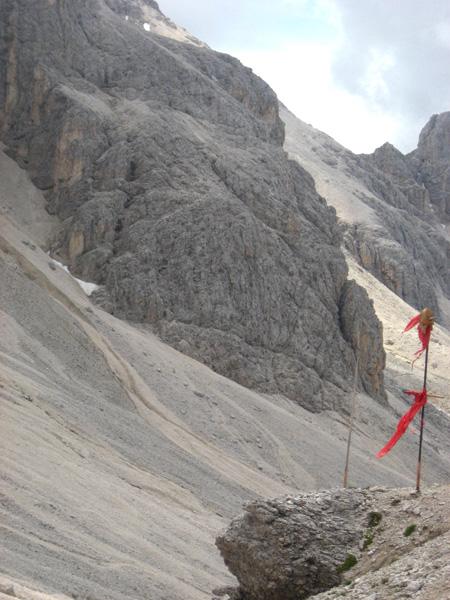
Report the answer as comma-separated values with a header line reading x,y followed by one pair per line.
x,y
434,139
432,158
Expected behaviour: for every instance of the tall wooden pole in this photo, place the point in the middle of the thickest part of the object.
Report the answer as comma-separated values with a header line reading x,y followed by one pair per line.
x,y
350,423
422,425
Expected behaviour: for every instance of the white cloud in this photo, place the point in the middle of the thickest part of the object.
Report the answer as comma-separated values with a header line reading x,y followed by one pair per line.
x,y
411,77
364,71
443,34
302,75
373,81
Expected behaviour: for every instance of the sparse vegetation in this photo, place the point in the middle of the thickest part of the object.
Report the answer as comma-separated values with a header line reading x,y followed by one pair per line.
x,y
349,562
374,519
368,539
410,530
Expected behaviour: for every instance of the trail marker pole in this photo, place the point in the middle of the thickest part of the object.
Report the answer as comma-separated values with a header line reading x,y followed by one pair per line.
x,y
422,425
350,424
424,321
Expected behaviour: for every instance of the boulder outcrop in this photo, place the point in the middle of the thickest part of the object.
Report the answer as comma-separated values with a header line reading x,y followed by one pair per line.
x,y
292,548
372,543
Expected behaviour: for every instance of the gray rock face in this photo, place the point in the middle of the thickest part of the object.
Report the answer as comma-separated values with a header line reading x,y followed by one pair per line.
x,y
165,161
363,332
408,252
415,261
392,163
407,256
391,224
431,162
377,543
292,548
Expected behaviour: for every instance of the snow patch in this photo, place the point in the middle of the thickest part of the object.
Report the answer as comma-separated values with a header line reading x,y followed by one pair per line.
x,y
146,26
63,267
87,287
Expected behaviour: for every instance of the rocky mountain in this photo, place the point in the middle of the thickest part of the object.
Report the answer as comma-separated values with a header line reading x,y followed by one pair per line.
x,y
374,544
164,161
156,170
391,206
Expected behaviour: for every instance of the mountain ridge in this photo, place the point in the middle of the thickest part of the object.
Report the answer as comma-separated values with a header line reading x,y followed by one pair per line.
x,y
390,224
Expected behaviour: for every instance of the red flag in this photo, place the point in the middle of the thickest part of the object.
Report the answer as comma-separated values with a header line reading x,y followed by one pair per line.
x,y
424,321
420,399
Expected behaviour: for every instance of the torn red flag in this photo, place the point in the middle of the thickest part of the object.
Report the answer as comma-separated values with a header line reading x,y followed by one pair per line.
x,y
420,399
424,321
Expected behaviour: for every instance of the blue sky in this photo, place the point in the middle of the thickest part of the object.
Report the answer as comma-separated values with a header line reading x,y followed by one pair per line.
x,y
364,71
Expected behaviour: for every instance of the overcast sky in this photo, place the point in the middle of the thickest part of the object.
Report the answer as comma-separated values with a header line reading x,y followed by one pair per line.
x,y
363,71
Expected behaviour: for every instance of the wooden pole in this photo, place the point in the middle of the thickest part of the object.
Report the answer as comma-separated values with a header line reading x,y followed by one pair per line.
x,y
350,423
422,425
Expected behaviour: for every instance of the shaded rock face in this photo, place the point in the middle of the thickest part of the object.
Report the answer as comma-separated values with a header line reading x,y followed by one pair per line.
x,y
431,162
363,332
165,162
400,172
415,262
410,259
408,251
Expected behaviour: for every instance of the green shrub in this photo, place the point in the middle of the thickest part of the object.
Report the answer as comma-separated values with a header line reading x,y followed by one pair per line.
x,y
409,530
374,519
349,562
368,539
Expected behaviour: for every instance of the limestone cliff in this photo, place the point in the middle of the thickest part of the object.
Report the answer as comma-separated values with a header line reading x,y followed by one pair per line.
x,y
431,162
164,160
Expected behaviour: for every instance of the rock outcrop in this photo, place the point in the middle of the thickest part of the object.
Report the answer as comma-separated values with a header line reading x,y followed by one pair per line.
x,y
431,162
379,544
164,159
292,548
